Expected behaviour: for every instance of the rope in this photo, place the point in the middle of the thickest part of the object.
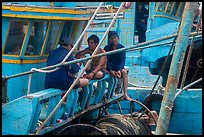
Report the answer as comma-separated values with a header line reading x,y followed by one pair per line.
x,y
86,66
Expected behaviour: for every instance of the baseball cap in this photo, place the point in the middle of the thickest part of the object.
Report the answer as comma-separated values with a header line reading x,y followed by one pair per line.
x,y
65,41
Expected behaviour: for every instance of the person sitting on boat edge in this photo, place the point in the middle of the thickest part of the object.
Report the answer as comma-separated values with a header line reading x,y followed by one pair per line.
x,y
65,75
97,68
116,61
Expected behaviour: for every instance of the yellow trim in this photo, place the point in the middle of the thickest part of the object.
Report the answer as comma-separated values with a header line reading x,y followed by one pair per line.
x,y
7,32
44,10
42,17
167,4
58,35
24,38
179,8
23,61
164,17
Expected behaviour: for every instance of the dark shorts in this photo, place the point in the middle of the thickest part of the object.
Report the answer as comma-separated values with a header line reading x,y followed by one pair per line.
x,y
90,70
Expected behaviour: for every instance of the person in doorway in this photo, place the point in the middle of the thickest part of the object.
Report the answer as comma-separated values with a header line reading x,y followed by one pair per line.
x,y
141,22
97,68
65,75
116,62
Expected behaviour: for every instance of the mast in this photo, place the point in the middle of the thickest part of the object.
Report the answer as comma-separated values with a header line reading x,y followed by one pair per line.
x,y
175,69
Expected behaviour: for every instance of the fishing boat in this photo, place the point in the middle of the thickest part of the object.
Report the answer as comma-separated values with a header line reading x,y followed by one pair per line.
x,y
164,71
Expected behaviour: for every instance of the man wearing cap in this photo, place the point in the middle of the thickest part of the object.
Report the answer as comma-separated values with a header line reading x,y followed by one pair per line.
x,y
116,61
64,76
97,69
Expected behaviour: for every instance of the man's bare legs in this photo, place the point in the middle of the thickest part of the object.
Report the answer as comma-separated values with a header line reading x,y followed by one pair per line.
x,y
83,82
98,75
125,84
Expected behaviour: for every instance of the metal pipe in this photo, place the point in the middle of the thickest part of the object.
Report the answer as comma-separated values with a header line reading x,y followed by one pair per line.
x,y
175,69
135,47
85,67
186,87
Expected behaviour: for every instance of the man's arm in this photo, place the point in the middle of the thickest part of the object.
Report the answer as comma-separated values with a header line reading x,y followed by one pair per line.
x,y
73,68
82,53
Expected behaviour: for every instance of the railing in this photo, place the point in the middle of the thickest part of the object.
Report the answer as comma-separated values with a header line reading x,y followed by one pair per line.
x,y
77,103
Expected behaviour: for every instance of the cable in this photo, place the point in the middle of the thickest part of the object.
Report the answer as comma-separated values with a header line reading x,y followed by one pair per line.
x,y
146,109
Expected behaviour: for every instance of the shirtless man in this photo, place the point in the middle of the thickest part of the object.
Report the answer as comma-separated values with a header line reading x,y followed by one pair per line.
x,y
97,69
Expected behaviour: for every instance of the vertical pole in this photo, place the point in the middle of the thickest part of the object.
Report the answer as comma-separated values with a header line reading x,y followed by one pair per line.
x,y
175,69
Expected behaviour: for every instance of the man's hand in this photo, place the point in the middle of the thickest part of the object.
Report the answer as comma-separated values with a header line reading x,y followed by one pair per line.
x,y
90,75
118,74
113,73
143,20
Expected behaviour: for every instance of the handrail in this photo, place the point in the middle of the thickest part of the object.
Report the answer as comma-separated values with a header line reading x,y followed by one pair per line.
x,y
86,66
186,87
135,47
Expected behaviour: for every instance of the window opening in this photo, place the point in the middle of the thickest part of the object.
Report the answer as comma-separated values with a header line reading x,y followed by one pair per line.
x,y
54,30
36,39
17,31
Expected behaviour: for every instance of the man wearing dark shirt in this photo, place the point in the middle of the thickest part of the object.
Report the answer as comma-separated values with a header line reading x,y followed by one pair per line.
x,y
116,61
64,76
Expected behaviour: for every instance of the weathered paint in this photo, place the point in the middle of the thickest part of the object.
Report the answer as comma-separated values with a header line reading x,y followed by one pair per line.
x,y
175,69
23,61
43,10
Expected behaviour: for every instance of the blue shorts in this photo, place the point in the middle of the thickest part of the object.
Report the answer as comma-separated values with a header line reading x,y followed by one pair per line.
x,y
90,70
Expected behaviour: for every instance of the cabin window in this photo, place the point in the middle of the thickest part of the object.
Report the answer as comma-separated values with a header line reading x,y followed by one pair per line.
x,y
180,9
161,6
175,8
54,30
169,7
99,25
36,39
15,38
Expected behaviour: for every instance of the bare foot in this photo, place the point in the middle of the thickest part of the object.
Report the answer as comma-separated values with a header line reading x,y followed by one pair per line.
x,y
127,98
